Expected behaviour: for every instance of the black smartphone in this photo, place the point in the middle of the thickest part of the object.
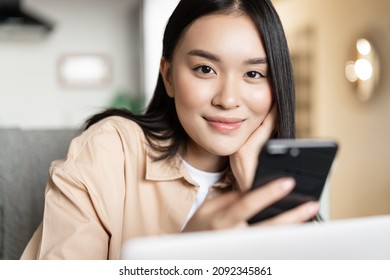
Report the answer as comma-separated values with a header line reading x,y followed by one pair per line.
x,y
308,161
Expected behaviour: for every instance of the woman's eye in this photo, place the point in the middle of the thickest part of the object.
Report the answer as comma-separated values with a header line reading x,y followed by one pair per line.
x,y
203,69
254,75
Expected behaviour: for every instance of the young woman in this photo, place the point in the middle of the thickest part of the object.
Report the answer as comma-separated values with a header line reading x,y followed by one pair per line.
x,y
225,87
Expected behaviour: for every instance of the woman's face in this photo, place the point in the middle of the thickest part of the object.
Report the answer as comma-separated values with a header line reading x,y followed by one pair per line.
x,y
218,79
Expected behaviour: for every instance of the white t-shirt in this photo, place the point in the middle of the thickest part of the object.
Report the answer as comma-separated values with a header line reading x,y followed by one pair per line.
x,y
205,181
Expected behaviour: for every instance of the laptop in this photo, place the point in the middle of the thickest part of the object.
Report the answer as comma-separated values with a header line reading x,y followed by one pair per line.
x,y
366,238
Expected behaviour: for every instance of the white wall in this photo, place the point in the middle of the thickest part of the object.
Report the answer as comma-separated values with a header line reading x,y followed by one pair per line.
x,y
360,185
30,95
156,14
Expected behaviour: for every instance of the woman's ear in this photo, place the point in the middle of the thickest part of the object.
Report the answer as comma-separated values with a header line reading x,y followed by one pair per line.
x,y
166,73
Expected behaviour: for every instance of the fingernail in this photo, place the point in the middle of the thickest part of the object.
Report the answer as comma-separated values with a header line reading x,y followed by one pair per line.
x,y
313,208
287,184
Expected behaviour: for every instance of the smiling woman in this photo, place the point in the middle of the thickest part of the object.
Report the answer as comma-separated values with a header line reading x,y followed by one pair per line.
x,y
225,87
219,86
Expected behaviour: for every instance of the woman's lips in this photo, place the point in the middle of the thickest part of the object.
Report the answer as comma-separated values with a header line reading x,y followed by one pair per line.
x,y
224,124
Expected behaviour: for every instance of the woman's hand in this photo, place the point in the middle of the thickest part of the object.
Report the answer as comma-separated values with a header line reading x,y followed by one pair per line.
x,y
233,209
243,163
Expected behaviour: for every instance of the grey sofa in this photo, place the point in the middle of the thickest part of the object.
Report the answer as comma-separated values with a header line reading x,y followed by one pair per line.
x,y
25,157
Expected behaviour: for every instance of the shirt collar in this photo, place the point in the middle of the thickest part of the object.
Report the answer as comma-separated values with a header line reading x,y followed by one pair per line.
x,y
173,169
163,170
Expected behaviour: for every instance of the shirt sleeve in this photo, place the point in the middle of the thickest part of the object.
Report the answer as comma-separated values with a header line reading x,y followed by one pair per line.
x,y
84,199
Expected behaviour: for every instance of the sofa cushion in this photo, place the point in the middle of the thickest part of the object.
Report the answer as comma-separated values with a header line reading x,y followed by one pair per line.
x,y
25,157
1,230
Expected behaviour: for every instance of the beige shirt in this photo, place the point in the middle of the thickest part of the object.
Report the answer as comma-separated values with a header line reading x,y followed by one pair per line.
x,y
108,190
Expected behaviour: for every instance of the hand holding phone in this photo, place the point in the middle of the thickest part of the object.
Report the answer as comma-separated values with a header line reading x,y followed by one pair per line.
x,y
308,161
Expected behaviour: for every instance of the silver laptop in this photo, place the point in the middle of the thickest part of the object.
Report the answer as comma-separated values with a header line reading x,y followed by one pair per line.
x,y
359,238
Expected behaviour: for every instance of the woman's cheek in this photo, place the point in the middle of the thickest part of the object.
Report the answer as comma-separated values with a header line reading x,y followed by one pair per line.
x,y
193,92
260,103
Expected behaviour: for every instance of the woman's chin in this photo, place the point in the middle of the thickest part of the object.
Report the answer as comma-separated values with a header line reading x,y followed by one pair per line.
x,y
225,151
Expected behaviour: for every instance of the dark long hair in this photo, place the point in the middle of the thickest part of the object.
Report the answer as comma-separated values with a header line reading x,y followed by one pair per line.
x,y
160,121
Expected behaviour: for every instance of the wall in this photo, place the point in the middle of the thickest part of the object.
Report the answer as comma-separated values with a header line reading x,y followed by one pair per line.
x,y
155,15
360,183
29,92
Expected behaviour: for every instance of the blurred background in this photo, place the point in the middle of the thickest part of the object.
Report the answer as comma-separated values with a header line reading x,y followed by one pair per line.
x,y
64,60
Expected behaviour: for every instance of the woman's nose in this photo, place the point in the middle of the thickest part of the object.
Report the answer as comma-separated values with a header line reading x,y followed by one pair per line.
x,y
228,95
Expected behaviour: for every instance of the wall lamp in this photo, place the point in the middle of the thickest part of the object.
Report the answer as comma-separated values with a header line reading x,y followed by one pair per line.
x,y
363,69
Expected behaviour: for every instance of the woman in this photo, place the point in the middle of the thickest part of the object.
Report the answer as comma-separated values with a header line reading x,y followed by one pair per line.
x,y
225,87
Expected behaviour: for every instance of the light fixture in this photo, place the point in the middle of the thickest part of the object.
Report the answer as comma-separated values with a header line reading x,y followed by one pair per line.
x,y
363,69
83,71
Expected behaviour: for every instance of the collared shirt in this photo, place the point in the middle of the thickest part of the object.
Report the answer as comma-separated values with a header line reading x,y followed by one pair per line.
x,y
109,189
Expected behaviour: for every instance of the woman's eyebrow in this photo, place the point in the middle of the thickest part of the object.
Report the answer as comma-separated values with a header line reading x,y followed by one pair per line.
x,y
216,58
204,54
257,60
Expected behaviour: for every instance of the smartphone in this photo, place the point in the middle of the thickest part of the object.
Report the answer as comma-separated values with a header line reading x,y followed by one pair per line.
x,y
308,161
